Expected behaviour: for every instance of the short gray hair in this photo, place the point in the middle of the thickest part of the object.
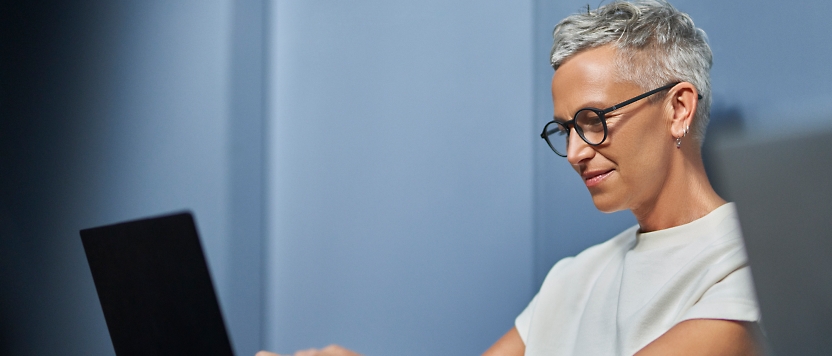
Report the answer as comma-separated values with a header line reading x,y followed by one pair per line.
x,y
656,44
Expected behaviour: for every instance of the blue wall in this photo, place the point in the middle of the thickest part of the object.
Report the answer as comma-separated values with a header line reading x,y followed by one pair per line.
x,y
400,175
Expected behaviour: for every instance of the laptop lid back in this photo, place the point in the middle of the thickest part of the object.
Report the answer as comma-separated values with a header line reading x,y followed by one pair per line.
x,y
155,289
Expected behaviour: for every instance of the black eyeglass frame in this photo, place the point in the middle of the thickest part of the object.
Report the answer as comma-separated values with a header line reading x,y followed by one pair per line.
x,y
601,115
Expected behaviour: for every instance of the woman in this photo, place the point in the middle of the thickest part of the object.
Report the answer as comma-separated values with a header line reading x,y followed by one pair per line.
x,y
631,96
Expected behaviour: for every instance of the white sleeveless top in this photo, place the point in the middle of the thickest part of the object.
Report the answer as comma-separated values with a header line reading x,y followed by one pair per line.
x,y
616,297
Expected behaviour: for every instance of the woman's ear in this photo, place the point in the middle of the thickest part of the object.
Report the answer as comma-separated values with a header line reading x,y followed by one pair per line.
x,y
683,99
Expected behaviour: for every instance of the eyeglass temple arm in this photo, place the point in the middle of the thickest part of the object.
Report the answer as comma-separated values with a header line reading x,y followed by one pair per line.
x,y
642,96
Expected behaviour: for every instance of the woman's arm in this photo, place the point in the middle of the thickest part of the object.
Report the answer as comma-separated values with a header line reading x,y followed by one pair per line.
x,y
705,337
509,345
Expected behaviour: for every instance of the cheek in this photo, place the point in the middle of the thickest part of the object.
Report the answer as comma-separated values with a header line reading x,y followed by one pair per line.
x,y
641,151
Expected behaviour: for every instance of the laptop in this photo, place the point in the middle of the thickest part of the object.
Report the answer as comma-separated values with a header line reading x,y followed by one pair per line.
x,y
155,288
782,185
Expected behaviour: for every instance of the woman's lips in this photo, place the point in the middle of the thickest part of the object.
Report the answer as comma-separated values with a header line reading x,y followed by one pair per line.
x,y
596,177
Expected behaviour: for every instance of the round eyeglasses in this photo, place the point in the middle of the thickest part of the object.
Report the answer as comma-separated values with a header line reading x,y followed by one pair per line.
x,y
589,123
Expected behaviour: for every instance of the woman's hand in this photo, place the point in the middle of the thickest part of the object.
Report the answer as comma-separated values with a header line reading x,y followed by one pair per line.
x,y
331,350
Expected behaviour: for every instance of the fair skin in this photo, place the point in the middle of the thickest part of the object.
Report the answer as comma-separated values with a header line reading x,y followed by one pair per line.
x,y
331,350
646,173
639,168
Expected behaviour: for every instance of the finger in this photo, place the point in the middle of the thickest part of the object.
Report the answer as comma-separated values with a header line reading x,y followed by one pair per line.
x,y
335,350
308,352
266,353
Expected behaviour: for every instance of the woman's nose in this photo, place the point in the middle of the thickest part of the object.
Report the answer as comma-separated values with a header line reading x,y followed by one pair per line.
x,y
577,150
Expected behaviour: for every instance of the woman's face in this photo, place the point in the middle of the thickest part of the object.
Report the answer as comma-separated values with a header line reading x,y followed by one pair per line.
x,y
630,168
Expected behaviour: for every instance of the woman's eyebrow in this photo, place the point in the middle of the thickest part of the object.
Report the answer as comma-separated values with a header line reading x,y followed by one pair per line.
x,y
592,104
596,105
558,119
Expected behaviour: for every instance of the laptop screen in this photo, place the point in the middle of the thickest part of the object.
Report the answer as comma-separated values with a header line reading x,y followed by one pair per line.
x,y
783,191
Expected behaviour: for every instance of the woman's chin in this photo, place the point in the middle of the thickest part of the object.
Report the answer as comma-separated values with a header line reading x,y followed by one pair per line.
x,y
606,203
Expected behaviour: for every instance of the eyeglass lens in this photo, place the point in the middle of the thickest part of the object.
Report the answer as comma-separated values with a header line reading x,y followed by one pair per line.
x,y
588,124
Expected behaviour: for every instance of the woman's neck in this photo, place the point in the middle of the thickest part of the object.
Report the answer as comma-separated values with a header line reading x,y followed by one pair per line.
x,y
687,195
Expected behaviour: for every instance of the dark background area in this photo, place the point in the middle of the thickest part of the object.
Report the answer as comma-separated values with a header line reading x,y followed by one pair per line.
x,y
47,90
115,110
